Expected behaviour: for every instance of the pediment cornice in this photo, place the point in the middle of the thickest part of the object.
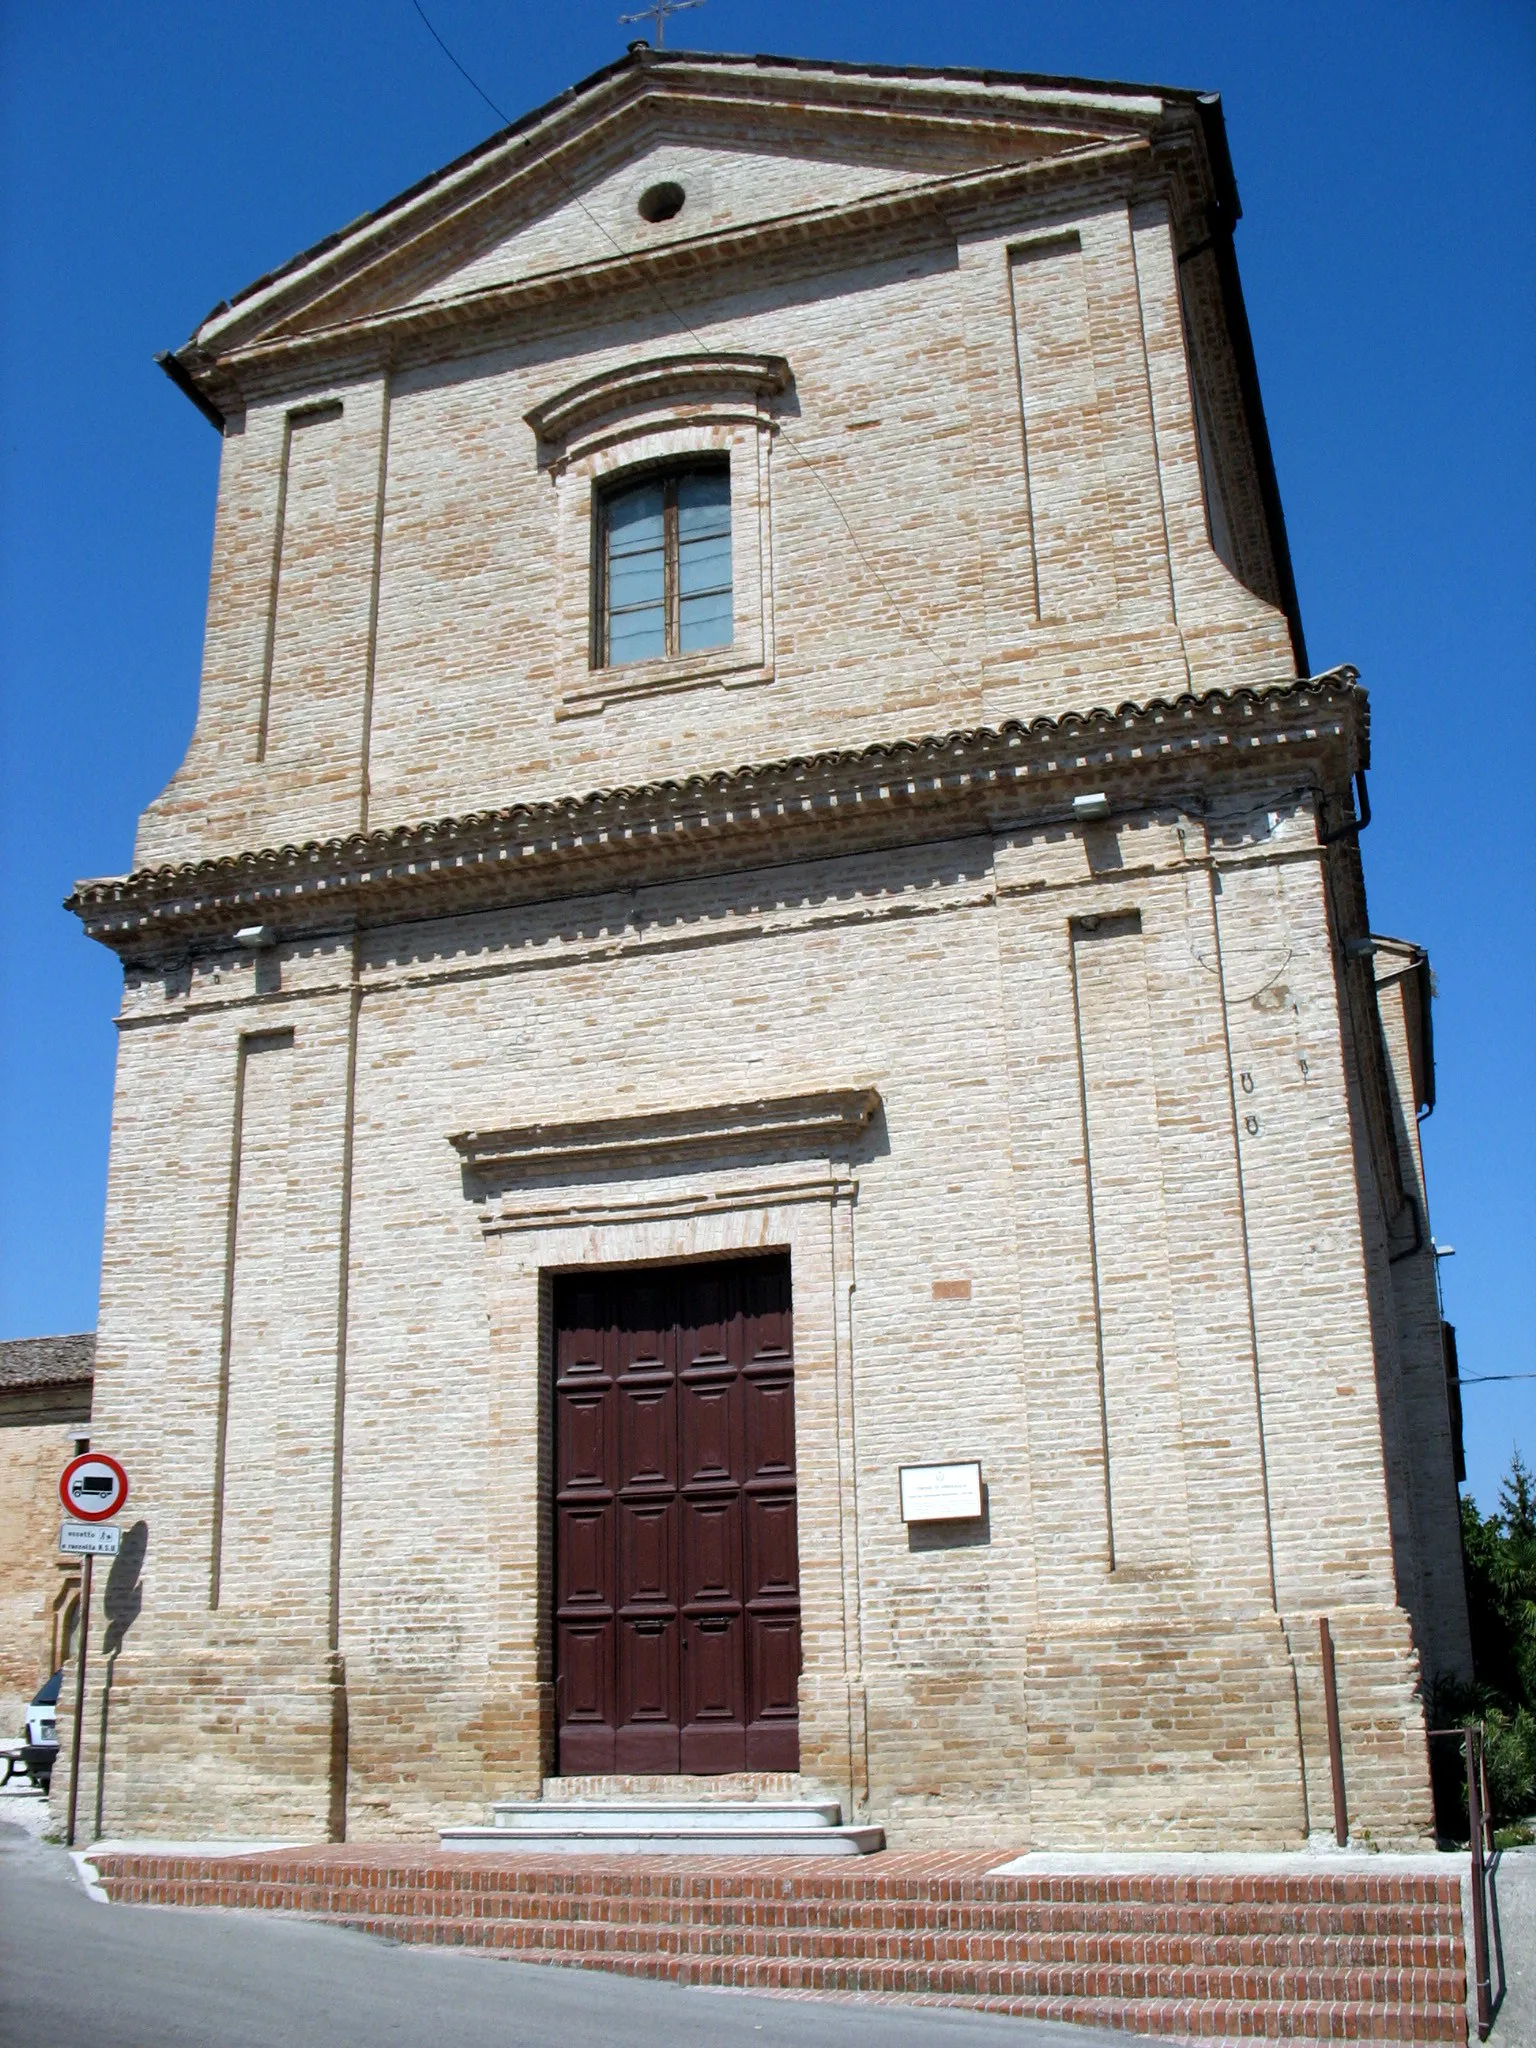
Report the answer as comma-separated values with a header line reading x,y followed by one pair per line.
x,y
836,801
908,115
232,370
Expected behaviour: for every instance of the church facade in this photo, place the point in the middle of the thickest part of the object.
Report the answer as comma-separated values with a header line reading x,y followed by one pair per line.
x,y
760,1143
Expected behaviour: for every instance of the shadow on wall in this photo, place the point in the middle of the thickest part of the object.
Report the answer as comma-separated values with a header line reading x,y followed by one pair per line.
x,y
121,1603
967,1535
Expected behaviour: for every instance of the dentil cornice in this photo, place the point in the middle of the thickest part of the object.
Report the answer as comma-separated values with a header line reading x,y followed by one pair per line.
x,y
840,801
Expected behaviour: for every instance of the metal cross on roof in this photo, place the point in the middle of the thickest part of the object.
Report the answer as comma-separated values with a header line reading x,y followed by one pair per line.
x,y
658,12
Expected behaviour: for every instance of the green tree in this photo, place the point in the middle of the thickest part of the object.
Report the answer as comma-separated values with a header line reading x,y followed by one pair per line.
x,y
1500,1557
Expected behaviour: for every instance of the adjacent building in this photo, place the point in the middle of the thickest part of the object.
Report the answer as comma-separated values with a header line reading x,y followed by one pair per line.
x,y
45,1414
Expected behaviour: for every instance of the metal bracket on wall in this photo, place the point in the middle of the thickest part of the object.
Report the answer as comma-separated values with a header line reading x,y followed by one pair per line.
x,y
1354,826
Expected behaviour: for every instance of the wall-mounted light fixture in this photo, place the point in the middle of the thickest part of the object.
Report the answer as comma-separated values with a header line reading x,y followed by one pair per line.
x,y
1092,807
254,937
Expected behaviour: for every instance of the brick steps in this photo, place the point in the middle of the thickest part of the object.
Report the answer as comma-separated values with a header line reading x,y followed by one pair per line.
x,y
942,1967
1348,1956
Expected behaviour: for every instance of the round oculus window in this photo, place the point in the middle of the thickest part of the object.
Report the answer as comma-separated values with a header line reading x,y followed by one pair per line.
x,y
661,202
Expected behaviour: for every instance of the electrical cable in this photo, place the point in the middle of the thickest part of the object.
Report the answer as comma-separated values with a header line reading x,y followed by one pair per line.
x,y
503,118
673,314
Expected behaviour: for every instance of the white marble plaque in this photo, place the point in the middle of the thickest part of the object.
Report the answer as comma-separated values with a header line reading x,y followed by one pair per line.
x,y
941,1493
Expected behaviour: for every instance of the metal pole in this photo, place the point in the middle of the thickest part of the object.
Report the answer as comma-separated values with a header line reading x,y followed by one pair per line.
x,y
1335,1739
74,1740
1474,1745
1482,1786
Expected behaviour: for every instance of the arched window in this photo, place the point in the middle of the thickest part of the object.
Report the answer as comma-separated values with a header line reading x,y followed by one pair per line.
x,y
664,585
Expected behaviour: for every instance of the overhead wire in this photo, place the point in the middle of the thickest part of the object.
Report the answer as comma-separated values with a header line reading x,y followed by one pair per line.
x,y
907,623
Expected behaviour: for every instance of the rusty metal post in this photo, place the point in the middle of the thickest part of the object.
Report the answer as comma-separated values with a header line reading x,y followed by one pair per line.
x,y
74,1741
1335,1739
1475,1806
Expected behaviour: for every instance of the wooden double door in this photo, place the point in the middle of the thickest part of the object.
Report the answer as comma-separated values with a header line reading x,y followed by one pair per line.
x,y
677,1580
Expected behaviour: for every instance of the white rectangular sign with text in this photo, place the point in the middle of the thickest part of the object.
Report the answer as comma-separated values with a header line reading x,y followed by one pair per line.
x,y
941,1493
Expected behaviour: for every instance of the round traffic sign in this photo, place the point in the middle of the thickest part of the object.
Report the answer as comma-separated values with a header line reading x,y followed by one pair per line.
x,y
93,1488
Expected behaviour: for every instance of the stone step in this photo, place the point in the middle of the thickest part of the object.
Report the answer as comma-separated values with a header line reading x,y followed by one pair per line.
x,y
673,1827
707,1816
656,1837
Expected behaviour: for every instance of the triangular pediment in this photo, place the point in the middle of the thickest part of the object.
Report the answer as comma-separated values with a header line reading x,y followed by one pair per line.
x,y
745,146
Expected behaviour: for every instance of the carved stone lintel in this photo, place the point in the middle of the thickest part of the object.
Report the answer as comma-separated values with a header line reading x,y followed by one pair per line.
x,y
829,1119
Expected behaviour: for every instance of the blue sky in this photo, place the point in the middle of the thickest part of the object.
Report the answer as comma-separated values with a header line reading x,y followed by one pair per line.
x,y
157,159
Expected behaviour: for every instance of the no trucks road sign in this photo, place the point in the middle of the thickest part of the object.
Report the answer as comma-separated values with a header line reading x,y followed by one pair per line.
x,y
93,1488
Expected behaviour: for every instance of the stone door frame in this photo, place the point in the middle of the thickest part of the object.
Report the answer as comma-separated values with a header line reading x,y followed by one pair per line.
x,y
672,1210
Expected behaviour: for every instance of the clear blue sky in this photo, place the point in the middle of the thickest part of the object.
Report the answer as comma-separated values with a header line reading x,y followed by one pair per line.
x,y
158,157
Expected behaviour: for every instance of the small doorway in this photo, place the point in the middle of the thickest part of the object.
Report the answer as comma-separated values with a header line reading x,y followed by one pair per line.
x,y
677,1577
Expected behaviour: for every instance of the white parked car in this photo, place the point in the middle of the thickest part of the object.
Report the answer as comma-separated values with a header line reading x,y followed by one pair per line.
x,y
34,1755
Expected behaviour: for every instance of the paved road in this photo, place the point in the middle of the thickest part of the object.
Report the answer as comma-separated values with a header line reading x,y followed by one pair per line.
x,y
1514,1886
74,1974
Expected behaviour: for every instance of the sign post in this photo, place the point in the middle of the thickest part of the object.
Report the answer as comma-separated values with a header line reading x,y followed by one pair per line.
x,y
93,1488
74,1740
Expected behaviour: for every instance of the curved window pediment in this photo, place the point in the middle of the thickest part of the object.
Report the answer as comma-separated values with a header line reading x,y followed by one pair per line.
x,y
682,382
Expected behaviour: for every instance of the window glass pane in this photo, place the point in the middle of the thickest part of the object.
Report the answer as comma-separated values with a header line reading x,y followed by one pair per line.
x,y
634,519
704,564
646,551
704,560
637,620
634,579
705,621
704,502
637,636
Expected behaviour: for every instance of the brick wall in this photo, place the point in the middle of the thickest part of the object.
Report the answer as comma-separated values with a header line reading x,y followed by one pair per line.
x,y
1020,1682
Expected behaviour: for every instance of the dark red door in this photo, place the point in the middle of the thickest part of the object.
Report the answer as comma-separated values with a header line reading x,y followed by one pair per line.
x,y
677,1580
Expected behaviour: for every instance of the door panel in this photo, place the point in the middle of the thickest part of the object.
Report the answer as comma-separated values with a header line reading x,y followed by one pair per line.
x,y
586,1692
773,1676
711,1562
775,1664
714,1725
584,1444
773,1568
709,1434
647,1434
677,1636
584,1572
646,1541
770,1406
